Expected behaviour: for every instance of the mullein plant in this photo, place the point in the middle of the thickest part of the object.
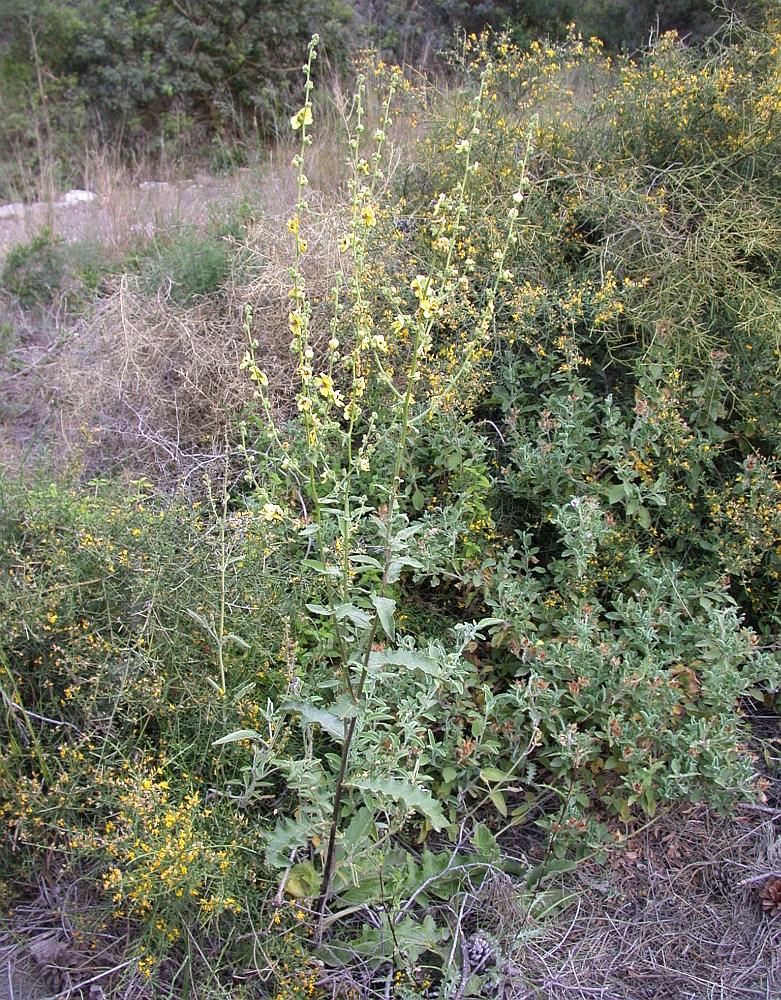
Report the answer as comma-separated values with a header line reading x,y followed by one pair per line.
x,y
342,451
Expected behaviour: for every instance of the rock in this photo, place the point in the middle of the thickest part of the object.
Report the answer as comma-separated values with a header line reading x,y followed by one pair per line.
x,y
13,211
76,196
47,948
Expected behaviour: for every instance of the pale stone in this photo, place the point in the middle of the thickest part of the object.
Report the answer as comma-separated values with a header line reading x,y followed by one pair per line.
x,y
13,211
76,196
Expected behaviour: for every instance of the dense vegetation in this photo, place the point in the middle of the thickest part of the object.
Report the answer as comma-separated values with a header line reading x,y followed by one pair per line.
x,y
162,80
500,573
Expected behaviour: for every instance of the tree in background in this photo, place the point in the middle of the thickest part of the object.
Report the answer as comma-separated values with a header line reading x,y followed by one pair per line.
x,y
134,61
629,23
414,32
173,73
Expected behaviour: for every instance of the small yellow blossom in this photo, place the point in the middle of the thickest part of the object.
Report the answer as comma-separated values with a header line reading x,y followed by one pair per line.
x,y
272,512
302,117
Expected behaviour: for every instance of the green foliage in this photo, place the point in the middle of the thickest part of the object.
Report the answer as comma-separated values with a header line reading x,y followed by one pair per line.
x,y
48,271
34,272
8,337
510,558
137,62
416,32
113,694
553,472
189,264
624,25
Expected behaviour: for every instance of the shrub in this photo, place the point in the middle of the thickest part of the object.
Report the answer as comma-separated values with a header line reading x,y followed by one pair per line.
x,y
49,271
188,265
492,418
34,272
504,546
114,672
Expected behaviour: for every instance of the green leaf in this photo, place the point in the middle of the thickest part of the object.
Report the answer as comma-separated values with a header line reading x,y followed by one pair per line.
x,y
319,609
485,843
551,867
201,621
302,881
386,608
236,640
499,801
486,622
361,560
397,565
318,716
287,835
235,737
616,493
411,797
344,707
492,774
418,500
376,945
411,658
357,616
318,567
360,831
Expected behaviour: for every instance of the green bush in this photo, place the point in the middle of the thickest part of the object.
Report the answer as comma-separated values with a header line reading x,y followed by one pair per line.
x,y
137,63
510,558
189,264
129,621
49,270
559,454
34,272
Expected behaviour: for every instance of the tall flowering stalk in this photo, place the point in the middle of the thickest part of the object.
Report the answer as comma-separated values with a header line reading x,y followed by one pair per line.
x,y
342,434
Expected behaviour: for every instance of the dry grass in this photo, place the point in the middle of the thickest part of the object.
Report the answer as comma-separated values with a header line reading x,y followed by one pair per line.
x,y
139,382
154,387
676,914
52,949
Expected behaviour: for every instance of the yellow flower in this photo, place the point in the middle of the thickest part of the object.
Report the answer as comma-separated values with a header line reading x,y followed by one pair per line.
x,y
368,217
295,323
325,383
420,285
272,512
400,323
302,117
292,224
